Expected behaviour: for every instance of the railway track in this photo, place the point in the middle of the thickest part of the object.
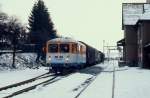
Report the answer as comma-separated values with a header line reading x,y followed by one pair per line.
x,y
24,82
42,80
87,83
13,87
26,89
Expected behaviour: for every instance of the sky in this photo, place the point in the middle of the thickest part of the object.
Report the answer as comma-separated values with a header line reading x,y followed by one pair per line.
x,y
91,21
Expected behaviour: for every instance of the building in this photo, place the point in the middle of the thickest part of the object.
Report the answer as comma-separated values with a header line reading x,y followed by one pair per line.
x,y
143,32
148,1
136,26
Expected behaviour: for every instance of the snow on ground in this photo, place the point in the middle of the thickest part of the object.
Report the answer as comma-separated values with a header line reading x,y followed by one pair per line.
x,y
70,86
129,83
11,77
102,86
66,88
132,83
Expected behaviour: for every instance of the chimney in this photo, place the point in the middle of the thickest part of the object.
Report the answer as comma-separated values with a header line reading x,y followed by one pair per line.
x,y
147,1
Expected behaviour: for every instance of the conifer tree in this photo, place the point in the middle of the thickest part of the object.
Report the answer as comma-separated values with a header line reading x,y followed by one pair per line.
x,y
40,24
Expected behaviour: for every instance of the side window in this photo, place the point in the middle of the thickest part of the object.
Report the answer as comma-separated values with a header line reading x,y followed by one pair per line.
x,y
74,48
82,49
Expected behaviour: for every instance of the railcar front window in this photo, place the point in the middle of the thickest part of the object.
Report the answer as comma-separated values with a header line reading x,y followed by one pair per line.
x,y
53,48
64,48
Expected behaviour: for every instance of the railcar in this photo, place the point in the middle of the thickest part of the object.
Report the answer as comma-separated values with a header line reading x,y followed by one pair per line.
x,y
66,53
63,53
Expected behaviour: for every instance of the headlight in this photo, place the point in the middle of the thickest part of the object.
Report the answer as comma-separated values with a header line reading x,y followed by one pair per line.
x,y
49,58
67,59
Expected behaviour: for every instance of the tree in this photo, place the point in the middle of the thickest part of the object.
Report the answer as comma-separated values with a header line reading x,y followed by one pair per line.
x,y
3,27
3,16
15,31
11,30
40,24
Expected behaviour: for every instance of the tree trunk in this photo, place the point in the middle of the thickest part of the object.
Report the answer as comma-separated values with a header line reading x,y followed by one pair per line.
x,y
14,51
14,55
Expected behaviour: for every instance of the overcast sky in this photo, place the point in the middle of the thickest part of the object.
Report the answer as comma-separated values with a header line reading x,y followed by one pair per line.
x,y
91,21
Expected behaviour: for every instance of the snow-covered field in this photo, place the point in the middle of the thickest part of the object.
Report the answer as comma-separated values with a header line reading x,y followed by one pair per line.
x,y
92,82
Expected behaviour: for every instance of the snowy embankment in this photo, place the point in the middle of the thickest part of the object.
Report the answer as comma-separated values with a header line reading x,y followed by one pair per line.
x,y
23,60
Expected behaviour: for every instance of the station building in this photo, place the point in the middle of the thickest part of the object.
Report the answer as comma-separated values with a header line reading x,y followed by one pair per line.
x,y
136,41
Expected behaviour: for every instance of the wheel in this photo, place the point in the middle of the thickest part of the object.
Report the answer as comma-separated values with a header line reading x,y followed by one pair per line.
x,y
55,70
61,70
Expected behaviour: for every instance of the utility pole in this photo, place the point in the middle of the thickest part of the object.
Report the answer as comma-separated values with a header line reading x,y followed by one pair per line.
x,y
103,46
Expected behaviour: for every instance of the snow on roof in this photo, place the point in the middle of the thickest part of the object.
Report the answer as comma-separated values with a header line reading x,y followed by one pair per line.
x,y
133,12
64,39
146,15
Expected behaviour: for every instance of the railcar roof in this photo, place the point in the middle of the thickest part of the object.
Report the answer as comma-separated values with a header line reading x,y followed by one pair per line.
x,y
62,40
65,40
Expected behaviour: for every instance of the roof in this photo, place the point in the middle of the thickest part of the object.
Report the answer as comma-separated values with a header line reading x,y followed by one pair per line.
x,y
133,12
146,14
121,42
64,40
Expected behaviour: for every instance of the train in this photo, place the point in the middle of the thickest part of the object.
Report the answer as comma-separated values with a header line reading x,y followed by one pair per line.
x,y
66,53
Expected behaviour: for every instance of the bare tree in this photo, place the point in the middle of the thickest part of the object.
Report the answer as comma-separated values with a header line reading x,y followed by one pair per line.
x,y
11,30
3,26
16,31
